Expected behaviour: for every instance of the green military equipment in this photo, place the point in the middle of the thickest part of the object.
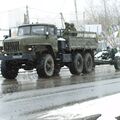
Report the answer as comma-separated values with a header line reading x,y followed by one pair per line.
x,y
67,29
72,27
37,46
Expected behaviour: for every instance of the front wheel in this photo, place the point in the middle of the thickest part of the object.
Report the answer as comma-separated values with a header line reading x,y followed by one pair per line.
x,y
45,67
76,67
8,70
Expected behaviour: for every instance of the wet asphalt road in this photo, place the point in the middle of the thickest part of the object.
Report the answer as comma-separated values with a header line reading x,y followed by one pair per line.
x,y
28,94
28,80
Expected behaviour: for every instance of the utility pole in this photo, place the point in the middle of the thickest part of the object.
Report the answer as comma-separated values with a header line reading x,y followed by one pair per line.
x,y
84,20
76,12
105,11
26,16
84,17
62,20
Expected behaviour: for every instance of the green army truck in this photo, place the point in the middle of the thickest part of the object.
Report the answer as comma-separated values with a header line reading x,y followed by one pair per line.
x,y
42,47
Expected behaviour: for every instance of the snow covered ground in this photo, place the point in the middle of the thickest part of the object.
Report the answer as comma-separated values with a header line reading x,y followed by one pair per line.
x,y
108,107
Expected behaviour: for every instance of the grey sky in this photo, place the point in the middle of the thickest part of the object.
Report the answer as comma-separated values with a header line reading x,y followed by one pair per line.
x,y
44,10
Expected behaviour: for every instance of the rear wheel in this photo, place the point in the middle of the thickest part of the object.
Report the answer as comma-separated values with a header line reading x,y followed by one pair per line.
x,y
8,70
117,63
88,63
45,67
76,67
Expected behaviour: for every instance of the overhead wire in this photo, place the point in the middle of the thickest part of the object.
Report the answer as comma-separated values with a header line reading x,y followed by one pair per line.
x,y
11,10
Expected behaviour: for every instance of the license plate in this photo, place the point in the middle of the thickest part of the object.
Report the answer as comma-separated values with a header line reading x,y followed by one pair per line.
x,y
17,56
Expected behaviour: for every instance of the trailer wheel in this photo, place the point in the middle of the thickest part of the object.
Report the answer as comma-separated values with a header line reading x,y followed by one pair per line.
x,y
8,70
45,67
88,63
117,63
76,67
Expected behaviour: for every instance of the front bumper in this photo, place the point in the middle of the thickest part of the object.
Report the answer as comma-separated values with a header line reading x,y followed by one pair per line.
x,y
24,56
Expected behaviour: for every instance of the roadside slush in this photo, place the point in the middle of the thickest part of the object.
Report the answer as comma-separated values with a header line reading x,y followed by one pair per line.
x,y
27,105
106,108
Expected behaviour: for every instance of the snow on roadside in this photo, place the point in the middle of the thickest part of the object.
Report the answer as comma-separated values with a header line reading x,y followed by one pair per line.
x,y
117,54
107,106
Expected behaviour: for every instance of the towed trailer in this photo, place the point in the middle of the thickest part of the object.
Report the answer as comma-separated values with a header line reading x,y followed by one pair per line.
x,y
108,57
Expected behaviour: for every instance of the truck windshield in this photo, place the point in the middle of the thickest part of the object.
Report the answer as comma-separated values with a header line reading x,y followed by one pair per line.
x,y
24,31
33,30
38,30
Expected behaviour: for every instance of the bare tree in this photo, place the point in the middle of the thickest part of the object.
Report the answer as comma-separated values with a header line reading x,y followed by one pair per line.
x,y
106,13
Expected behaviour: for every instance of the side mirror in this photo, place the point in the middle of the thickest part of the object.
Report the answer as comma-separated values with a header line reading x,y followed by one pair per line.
x,y
5,36
47,34
9,32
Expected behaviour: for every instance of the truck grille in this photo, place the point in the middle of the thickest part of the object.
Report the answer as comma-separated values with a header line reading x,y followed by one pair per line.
x,y
11,46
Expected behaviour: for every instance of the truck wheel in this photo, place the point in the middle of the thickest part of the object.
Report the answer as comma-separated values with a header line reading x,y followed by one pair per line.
x,y
76,67
45,67
8,70
88,63
117,63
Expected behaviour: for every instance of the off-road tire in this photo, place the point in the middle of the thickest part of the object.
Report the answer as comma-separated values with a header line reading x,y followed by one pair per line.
x,y
117,63
45,67
8,70
76,67
88,63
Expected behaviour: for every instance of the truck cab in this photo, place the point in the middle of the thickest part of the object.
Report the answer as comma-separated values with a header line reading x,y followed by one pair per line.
x,y
33,41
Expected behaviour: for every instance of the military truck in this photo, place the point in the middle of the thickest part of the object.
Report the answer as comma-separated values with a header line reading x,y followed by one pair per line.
x,y
44,48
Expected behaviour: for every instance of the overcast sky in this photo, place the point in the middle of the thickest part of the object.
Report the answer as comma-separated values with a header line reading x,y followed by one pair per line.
x,y
40,10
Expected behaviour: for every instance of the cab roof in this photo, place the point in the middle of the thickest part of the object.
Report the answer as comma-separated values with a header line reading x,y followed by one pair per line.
x,y
38,24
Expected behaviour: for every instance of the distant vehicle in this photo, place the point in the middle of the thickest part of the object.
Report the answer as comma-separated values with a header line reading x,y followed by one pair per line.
x,y
39,46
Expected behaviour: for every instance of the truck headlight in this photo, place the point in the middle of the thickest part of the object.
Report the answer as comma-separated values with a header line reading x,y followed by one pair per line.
x,y
29,49
5,54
